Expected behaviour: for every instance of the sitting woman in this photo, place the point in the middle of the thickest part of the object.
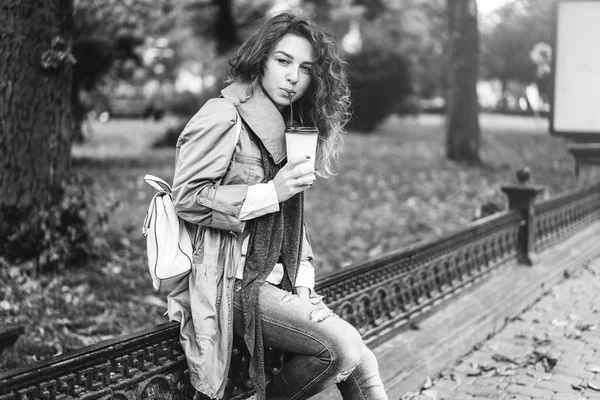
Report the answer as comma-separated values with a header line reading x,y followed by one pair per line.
x,y
243,202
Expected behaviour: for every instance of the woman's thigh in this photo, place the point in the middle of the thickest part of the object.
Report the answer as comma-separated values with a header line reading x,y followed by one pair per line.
x,y
300,326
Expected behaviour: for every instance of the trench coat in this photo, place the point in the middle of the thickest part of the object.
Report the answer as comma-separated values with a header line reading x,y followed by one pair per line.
x,y
212,175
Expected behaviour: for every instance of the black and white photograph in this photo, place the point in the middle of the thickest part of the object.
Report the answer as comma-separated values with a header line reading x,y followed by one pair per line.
x,y
299,199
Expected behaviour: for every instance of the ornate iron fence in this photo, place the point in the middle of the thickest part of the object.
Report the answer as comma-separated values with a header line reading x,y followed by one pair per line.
x,y
146,364
379,297
560,217
383,295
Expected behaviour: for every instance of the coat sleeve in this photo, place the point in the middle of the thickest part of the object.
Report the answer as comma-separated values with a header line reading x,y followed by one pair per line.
x,y
204,150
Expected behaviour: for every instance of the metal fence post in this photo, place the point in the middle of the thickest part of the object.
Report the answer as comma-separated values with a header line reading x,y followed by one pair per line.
x,y
521,197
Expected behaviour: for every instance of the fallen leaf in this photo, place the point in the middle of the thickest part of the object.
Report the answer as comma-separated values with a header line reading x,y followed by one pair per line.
x,y
432,394
63,321
585,327
574,334
502,358
541,342
59,350
428,383
504,371
486,368
542,360
473,372
594,386
409,396
455,378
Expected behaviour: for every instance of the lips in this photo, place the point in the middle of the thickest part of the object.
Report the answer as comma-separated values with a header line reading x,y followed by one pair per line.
x,y
289,91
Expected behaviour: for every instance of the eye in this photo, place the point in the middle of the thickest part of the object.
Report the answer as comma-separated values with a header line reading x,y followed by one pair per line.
x,y
306,69
283,61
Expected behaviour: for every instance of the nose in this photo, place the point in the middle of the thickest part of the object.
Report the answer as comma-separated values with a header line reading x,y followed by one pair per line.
x,y
292,75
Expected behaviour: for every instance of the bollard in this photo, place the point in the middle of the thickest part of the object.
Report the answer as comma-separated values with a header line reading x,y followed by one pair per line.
x,y
521,197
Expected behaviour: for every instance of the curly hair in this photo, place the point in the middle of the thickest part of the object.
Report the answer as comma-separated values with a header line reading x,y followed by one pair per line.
x,y
327,101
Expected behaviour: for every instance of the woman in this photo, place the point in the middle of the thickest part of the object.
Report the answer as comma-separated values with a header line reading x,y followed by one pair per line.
x,y
243,199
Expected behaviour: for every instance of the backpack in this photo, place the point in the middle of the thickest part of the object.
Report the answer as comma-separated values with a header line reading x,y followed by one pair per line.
x,y
168,244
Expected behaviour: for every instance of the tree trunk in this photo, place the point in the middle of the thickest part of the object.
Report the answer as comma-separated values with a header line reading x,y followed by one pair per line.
x,y
462,106
35,105
225,28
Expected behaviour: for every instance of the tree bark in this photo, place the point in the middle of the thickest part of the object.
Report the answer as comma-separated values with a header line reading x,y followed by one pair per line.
x,y
225,28
462,106
35,105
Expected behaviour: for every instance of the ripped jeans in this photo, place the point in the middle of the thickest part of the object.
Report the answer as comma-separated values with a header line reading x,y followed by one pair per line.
x,y
326,348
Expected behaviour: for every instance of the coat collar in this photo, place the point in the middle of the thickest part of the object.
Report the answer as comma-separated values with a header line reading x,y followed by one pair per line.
x,y
261,115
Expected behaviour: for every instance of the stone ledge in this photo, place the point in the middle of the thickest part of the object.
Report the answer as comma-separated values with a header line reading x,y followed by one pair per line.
x,y
452,331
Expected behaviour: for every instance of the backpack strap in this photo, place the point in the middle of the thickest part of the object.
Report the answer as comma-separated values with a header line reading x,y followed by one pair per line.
x,y
150,213
157,183
238,126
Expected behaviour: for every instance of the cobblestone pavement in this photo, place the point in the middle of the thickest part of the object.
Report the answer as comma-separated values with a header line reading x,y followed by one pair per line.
x,y
551,351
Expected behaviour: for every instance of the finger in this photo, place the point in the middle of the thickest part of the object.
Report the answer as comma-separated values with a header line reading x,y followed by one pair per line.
x,y
303,170
315,298
295,161
305,180
304,296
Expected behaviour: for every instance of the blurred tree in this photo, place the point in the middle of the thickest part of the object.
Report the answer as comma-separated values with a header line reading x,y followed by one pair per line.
x,y
36,66
106,34
379,79
223,22
512,32
422,38
110,19
44,214
371,34
462,106
214,19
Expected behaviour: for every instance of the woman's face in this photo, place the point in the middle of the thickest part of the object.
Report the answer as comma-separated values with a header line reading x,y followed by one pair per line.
x,y
288,70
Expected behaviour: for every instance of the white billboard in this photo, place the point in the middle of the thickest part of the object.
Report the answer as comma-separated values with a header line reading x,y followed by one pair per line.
x,y
576,94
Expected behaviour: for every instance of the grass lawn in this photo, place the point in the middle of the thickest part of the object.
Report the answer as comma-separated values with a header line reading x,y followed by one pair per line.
x,y
395,188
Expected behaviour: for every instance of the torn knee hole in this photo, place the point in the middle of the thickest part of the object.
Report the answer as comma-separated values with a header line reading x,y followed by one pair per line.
x,y
342,376
321,314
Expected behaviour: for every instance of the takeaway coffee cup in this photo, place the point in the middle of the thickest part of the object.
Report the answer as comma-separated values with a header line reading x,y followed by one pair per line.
x,y
301,141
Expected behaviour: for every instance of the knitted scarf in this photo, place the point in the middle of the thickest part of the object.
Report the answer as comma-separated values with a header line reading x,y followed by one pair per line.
x,y
274,237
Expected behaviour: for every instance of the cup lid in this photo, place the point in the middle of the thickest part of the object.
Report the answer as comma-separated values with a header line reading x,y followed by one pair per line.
x,y
302,129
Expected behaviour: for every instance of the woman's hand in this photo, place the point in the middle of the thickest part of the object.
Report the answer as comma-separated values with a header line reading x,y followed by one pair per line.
x,y
295,176
303,293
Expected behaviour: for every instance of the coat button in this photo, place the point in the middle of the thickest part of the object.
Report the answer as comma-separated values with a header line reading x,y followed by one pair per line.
x,y
201,200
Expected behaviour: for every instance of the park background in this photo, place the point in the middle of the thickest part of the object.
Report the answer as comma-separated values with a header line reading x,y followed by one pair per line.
x,y
140,69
